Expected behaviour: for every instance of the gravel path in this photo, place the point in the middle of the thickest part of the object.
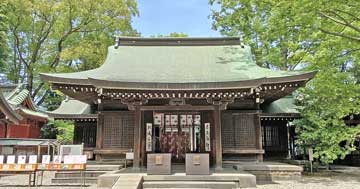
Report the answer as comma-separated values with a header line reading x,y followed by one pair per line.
x,y
21,181
318,181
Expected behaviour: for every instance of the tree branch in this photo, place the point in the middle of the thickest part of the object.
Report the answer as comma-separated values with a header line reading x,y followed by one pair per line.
x,y
352,15
42,98
340,35
343,21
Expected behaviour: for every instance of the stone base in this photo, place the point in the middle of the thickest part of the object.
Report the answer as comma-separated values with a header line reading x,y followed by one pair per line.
x,y
271,172
221,180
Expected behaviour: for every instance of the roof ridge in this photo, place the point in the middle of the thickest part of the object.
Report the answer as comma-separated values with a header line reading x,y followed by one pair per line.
x,y
175,41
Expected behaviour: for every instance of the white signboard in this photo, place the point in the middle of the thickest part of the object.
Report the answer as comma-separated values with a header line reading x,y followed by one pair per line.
x,y
1,159
75,159
158,117
189,119
32,159
197,120
311,157
130,155
71,150
57,159
167,120
10,159
45,159
21,159
174,119
148,137
183,120
207,137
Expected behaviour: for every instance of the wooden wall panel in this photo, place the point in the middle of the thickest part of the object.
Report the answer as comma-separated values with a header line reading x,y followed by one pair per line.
x,y
85,132
238,131
118,130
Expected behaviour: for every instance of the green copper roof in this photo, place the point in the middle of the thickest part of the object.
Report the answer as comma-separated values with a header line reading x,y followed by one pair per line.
x,y
8,111
34,113
15,99
72,106
164,61
283,105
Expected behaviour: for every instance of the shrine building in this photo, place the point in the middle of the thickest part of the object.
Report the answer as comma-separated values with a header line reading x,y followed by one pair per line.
x,y
19,116
180,95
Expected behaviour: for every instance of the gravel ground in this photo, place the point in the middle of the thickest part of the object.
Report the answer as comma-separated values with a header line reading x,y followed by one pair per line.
x,y
317,181
21,181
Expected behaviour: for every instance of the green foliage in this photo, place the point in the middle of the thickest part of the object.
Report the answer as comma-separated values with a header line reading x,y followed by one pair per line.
x,y
48,131
61,36
326,101
311,35
3,42
65,129
276,38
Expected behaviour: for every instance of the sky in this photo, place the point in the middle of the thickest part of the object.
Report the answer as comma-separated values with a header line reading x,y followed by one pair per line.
x,y
166,16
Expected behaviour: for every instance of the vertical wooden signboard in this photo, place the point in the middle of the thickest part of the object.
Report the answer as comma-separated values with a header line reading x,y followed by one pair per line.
x,y
148,137
207,137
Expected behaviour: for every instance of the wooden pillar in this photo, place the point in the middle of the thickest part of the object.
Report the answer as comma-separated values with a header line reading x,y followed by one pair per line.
x,y
99,135
257,124
258,136
218,145
137,138
99,131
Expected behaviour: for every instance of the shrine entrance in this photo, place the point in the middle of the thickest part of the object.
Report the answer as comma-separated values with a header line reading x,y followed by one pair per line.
x,y
177,133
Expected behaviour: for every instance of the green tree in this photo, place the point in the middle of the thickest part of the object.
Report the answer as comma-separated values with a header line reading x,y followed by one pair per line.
x,y
64,131
310,35
62,36
3,42
276,39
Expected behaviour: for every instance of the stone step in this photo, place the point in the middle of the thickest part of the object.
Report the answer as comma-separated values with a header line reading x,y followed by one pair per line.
x,y
103,167
189,184
128,182
78,180
67,174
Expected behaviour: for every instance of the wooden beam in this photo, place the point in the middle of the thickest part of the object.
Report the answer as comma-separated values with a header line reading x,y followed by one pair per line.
x,y
170,108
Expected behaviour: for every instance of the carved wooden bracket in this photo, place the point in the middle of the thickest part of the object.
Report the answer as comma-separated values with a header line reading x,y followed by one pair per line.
x,y
132,103
177,102
221,102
